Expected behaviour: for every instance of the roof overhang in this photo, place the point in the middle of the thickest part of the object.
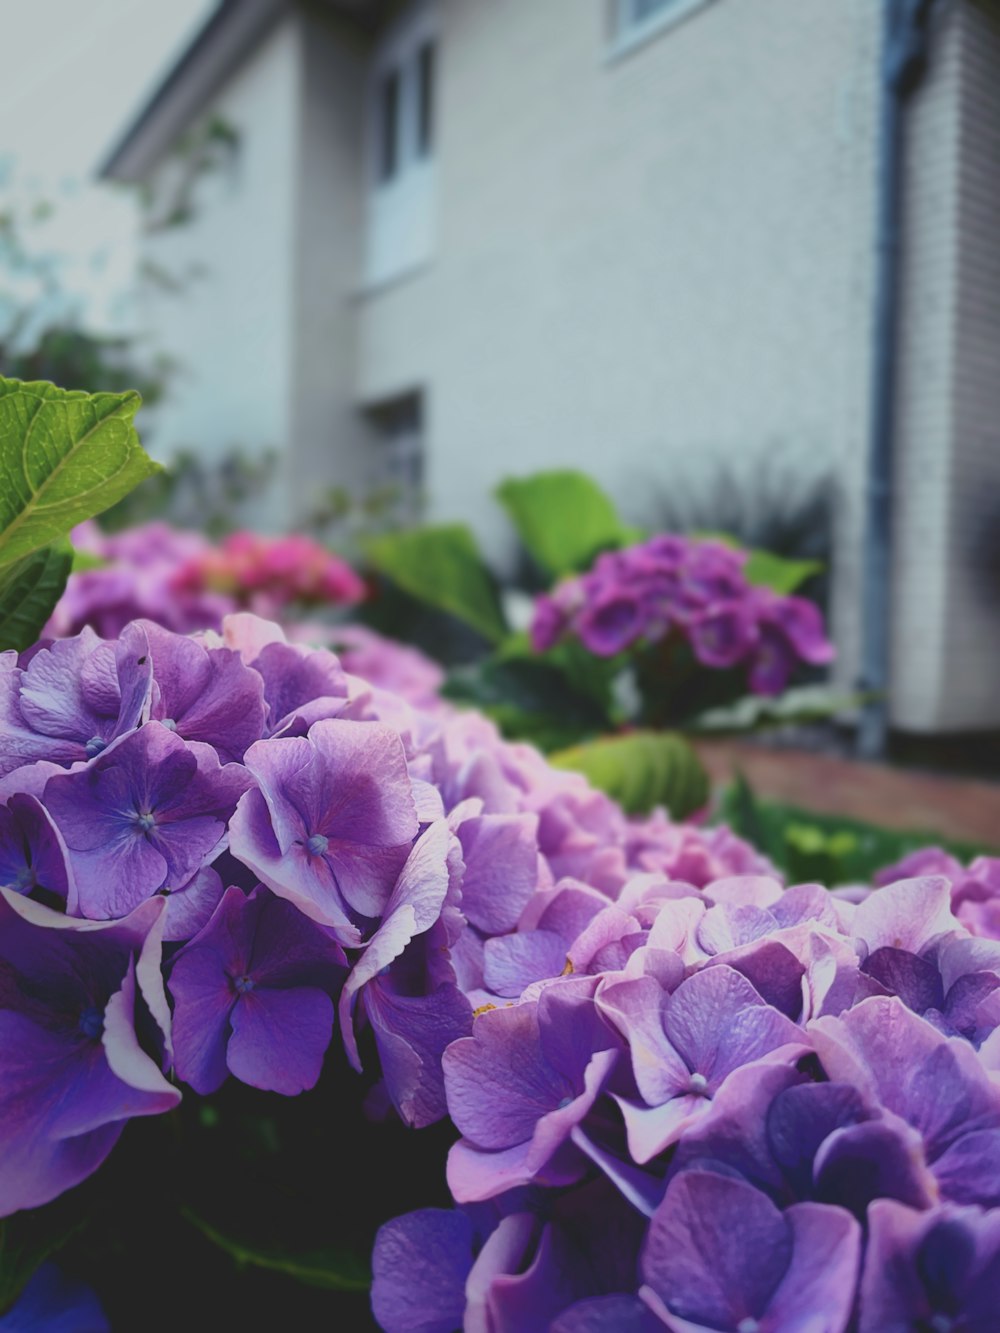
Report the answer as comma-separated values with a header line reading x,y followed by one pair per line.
x,y
217,50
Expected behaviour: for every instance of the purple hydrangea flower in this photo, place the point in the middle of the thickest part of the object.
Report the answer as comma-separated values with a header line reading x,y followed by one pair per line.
x,y
73,699
252,996
519,1084
32,853
72,1069
938,1270
332,822
720,1255
935,1084
205,694
674,588
54,1303
144,816
685,1045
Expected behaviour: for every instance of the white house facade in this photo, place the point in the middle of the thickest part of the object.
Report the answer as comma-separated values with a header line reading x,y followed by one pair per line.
x,y
462,239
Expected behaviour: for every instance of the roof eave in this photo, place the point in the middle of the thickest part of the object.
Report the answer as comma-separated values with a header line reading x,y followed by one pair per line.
x,y
227,37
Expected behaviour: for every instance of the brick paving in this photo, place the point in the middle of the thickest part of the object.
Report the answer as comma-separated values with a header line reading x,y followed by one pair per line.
x,y
896,798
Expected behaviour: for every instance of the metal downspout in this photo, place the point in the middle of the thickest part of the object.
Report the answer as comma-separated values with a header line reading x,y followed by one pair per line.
x,y
905,40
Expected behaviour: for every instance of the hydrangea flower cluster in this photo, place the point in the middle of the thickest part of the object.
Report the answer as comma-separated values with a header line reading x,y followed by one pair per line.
x,y
138,581
267,574
217,850
697,589
179,579
739,1107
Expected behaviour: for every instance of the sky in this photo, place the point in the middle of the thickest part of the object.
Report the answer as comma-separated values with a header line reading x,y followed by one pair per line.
x,y
74,73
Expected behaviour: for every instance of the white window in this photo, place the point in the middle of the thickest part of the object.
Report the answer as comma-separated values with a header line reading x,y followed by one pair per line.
x,y
396,468
636,20
402,130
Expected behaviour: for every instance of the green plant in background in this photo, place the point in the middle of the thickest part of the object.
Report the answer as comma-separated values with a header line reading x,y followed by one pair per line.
x,y
64,457
830,849
567,699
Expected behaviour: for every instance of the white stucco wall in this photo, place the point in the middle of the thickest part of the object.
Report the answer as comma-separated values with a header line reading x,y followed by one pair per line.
x,y
946,587
230,329
643,265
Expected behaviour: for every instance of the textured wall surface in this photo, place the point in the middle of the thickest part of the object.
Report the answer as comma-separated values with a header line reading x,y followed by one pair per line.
x,y
650,265
644,265
230,327
946,551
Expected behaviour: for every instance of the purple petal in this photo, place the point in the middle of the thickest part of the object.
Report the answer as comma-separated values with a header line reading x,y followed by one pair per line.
x,y
260,1052
419,1266
717,1250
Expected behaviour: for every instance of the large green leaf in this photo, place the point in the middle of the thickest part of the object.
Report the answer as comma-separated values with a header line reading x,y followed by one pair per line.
x,y
441,565
29,589
563,518
333,1270
642,769
64,456
766,570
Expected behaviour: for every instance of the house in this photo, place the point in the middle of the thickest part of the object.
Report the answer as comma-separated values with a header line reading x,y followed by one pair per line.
x,y
460,239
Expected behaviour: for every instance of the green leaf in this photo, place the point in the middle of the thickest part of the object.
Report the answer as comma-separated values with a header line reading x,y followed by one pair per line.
x,y
563,519
744,814
530,699
29,589
332,1270
441,565
84,560
765,570
64,456
642,769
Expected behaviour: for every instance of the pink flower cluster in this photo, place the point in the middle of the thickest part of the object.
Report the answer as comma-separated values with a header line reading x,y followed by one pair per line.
x,y
695,589
181,581
267,574
136,582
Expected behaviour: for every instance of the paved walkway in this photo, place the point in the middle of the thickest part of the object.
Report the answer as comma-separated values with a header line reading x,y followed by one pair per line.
x,y
893,797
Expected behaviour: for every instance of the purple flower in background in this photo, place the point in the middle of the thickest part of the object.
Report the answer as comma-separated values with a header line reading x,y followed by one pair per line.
x,y
936,1270
720,1255
54,1303
252,996
332,822
72,1069
723,635
800,623
773,661
674,587
144,816
608,625
553,614
73,699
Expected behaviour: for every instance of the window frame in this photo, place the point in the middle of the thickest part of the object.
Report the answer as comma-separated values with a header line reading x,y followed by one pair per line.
x,y
629,32
401,200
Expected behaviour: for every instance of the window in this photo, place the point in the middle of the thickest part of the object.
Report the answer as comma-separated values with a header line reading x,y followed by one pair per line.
x,y
402,133
389,126
635,20
396,470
